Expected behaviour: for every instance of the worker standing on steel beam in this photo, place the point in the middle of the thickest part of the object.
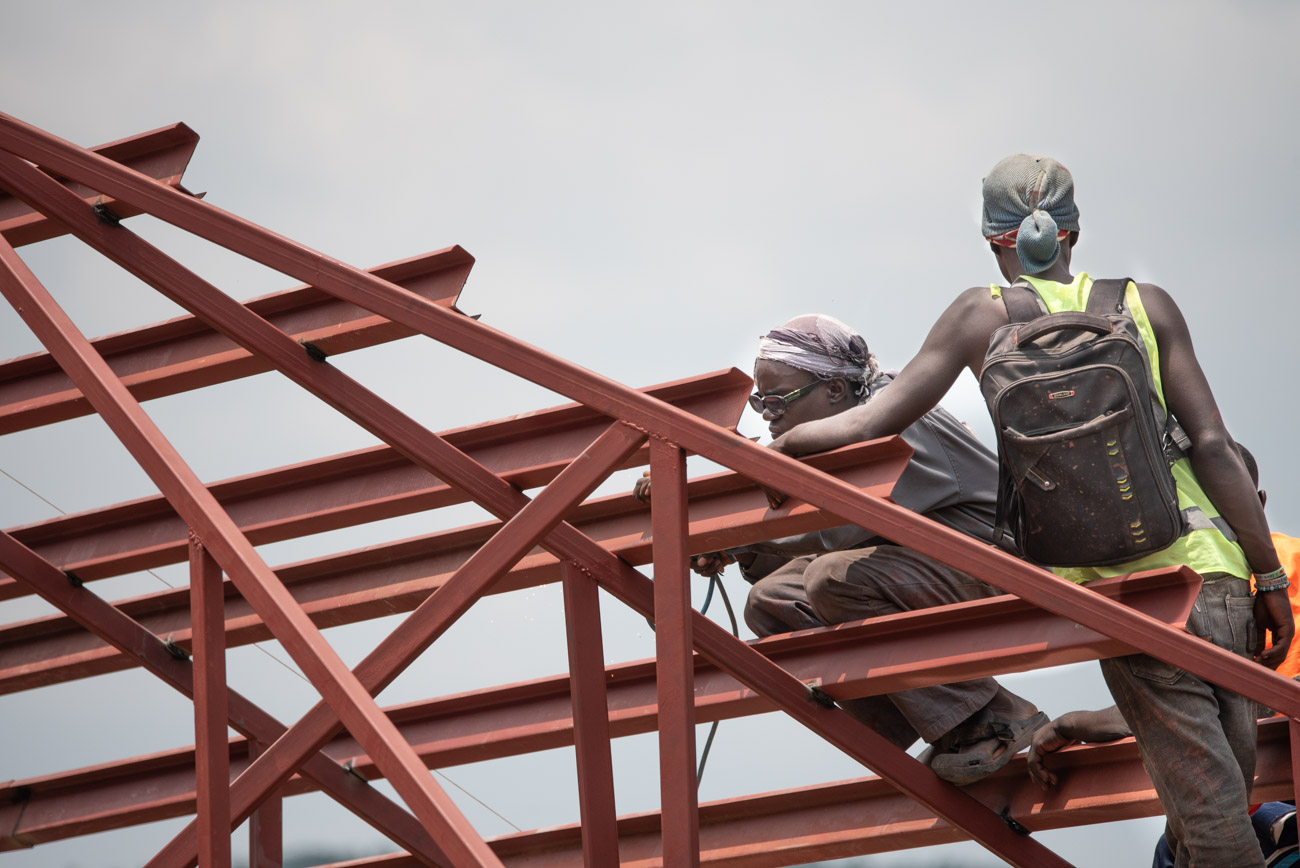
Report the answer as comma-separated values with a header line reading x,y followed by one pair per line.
x,y
1196,739
814,367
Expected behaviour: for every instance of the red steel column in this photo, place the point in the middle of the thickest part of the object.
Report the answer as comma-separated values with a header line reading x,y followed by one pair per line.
x,y
211,751
674,666
265,826
591,737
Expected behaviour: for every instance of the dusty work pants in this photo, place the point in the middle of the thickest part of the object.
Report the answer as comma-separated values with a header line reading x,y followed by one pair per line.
x,y
853,585
1197,740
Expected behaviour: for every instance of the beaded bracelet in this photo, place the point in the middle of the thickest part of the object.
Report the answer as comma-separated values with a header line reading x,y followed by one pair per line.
x,y
1274,585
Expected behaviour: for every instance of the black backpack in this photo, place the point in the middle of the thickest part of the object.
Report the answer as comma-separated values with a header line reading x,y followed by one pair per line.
x,y
1084,445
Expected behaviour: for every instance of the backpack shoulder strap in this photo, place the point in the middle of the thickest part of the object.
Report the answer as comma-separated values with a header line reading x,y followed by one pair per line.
x,y
1022,303
1107,296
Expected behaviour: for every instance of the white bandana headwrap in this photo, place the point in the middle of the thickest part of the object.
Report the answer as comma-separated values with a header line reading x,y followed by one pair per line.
x,y
822,346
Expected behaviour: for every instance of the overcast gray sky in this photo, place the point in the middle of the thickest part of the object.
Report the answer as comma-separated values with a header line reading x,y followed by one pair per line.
x,y
646,188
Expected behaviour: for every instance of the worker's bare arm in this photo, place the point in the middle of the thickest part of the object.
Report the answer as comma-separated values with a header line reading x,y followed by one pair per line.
x,y
957,340
1214,455
1216,462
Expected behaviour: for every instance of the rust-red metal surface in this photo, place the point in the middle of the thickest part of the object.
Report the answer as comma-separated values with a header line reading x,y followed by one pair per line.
x,y
157,657
590,704
484,342
885,654
379,580
183,354
212,756
238,558
1099,784
465,563
350,488
364,408
161,154
266,831
674,666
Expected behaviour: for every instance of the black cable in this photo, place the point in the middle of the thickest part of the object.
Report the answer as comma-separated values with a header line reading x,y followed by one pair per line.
x,y
715,582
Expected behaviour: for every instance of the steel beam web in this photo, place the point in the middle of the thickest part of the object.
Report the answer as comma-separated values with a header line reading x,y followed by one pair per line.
x,y
251,575
497,496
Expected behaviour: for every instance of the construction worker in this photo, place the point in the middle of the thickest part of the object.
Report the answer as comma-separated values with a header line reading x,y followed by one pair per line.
x,y
814,367
1196,738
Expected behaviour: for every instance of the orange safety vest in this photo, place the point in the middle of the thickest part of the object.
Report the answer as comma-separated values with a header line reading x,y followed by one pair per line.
x,y
1288,552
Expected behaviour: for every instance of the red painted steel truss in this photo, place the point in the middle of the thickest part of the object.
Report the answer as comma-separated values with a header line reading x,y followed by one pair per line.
x,y
700,672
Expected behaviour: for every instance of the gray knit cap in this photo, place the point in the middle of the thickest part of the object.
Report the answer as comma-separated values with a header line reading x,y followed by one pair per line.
x,y
1036,196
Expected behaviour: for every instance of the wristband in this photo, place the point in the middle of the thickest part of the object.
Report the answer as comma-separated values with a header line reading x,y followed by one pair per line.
x,y
1279,586
1265,578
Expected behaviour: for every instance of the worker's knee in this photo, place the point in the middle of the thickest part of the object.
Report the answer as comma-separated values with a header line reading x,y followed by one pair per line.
x,y
827,586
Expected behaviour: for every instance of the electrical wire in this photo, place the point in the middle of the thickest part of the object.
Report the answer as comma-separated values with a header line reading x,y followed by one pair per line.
x,y
714,582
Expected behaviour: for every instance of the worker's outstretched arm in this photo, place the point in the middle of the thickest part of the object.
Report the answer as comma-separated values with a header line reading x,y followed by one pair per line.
x,y
958,340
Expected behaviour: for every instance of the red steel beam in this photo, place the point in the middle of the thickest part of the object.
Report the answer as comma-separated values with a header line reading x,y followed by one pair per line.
x,y
375,581
336,389
534,520
353,487
674,666
904,527
212,755
238,558
183,353
265,247
1099,784
591,736
777,471
161,660
881,655
162,154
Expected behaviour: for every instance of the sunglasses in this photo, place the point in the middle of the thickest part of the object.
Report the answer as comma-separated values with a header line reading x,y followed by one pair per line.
x,y
778,404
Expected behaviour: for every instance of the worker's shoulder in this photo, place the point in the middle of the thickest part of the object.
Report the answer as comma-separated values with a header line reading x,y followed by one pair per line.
x,y
977,310
1160,307
1154,294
